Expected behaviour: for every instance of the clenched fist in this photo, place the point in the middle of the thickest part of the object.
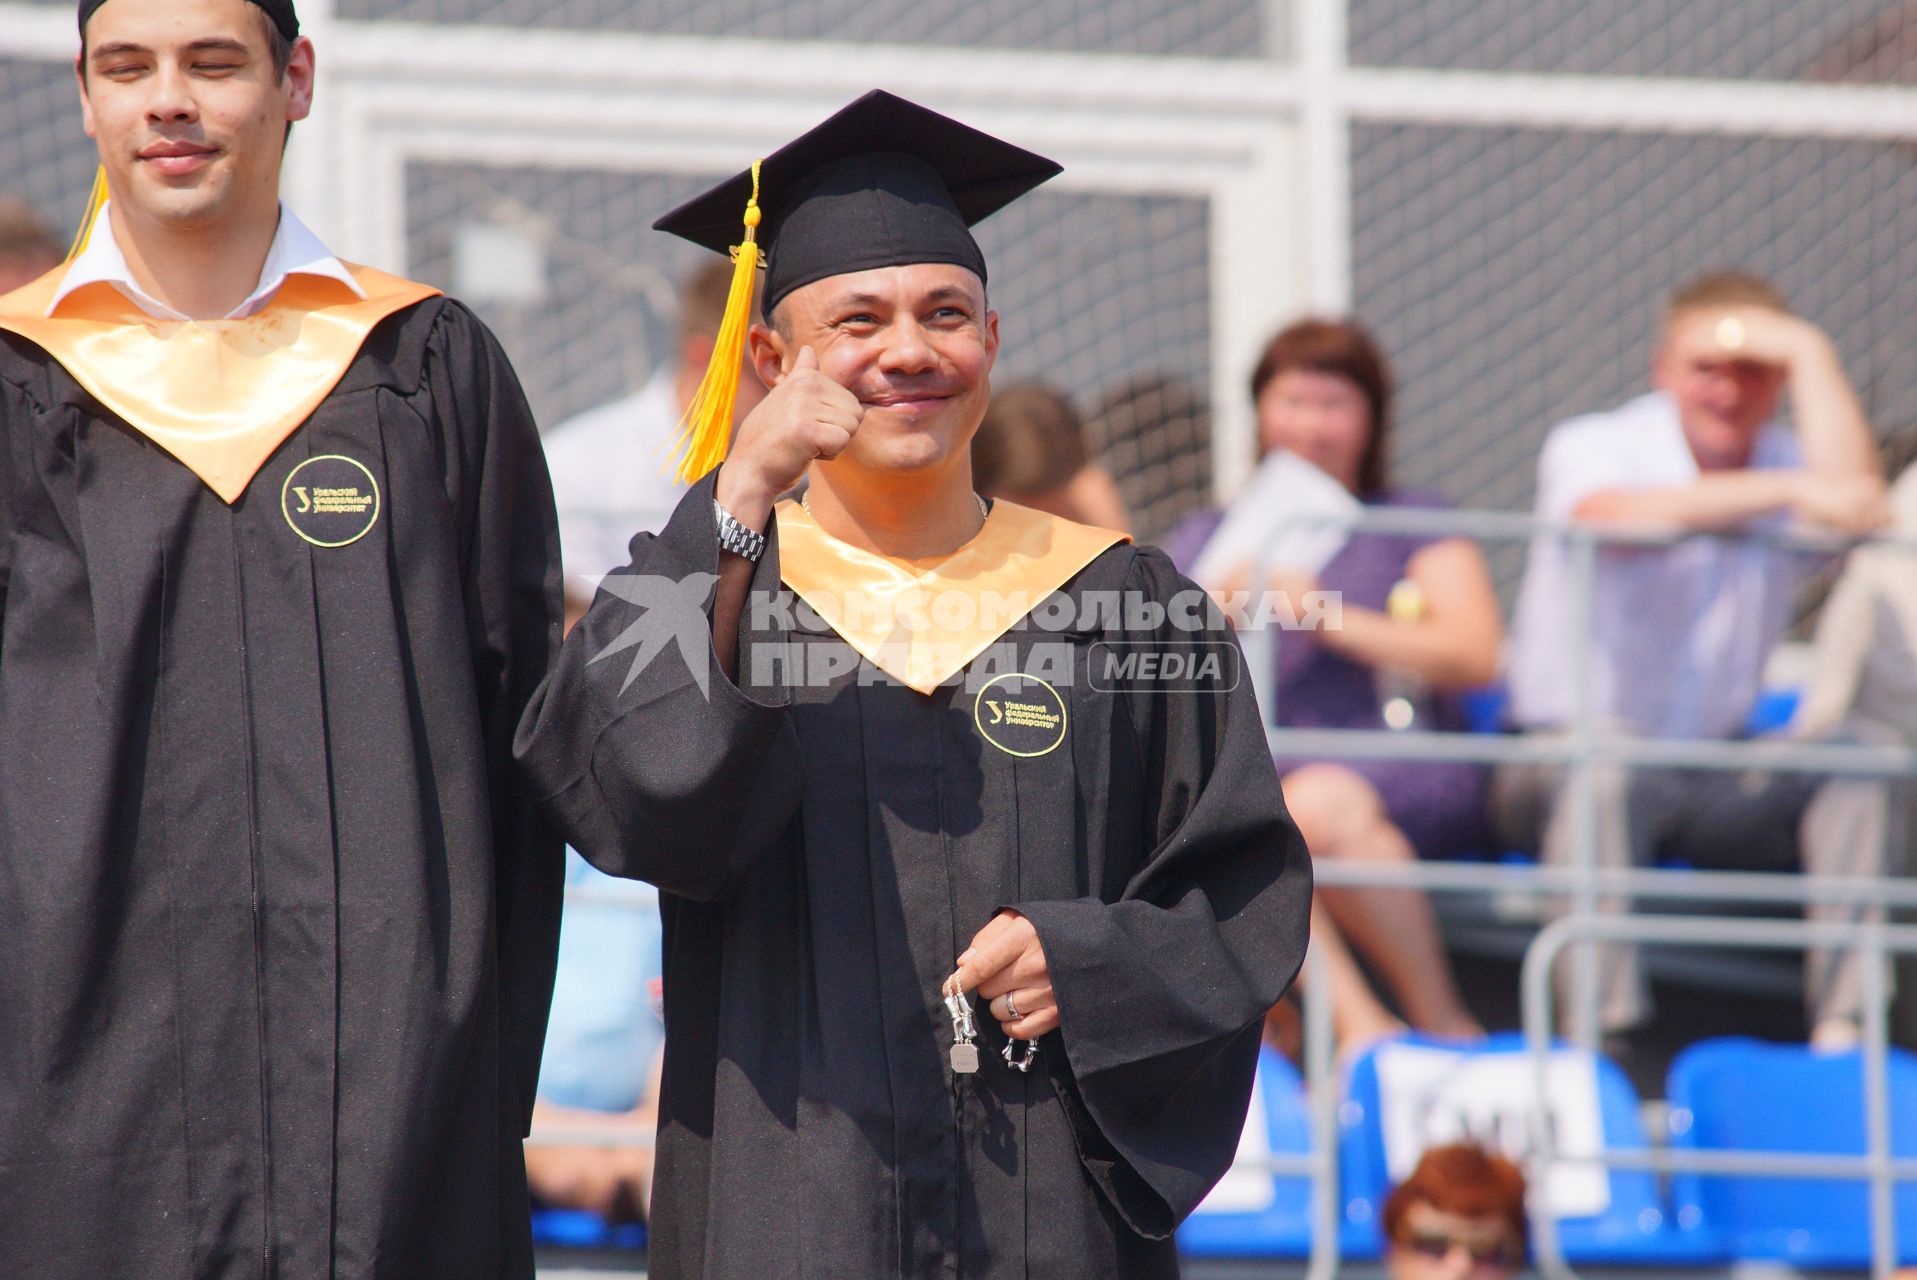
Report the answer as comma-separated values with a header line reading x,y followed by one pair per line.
x,y
806,416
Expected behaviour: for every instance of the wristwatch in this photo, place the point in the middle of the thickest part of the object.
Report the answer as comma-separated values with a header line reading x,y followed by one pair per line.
x,y
735,537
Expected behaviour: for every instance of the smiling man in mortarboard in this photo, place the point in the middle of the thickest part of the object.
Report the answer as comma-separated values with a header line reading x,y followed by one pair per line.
x,y
277,575
918,784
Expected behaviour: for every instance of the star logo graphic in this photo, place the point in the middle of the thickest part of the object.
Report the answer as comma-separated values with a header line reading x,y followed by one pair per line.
x,y
673,612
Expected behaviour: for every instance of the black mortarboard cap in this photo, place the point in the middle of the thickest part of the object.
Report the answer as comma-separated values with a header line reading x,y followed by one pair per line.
x,y
882,183
279,11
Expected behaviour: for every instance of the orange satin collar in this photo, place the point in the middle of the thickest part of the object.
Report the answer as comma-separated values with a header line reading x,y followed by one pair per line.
x,y
922,621
219,395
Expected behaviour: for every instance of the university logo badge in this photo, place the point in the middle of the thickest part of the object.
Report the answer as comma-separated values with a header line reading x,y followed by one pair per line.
x,y
1021,715
330,500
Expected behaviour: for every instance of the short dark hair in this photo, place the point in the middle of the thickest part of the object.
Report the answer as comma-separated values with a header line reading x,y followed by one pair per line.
x,y
1463,1179
1031,441
1345,349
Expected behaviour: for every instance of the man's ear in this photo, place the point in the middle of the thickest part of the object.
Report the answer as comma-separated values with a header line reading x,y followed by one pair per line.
x,y
767,352
991,339
86,101
298,80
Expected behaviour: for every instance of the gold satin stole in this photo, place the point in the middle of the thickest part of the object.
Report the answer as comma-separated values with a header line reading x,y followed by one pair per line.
x,y
219,395
922,621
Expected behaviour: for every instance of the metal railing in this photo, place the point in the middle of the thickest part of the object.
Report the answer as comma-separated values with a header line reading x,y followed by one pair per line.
x,y
1876,941
1581,749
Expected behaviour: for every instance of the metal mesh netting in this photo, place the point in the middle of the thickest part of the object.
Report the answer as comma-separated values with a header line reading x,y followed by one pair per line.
x,y
1217,28
1093,290
45,156
1773,39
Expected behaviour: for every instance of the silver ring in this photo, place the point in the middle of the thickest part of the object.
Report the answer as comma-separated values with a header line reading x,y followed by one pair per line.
x,y
1011,1010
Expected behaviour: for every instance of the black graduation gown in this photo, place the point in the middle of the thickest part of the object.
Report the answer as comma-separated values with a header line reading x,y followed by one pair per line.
x,y
826,853
277,917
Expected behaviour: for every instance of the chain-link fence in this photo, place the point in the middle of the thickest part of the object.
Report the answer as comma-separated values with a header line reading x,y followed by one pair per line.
x,y
1213,28
45,156
1741,39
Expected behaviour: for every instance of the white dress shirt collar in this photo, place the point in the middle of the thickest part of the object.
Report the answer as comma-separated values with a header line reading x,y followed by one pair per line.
x,y
295,250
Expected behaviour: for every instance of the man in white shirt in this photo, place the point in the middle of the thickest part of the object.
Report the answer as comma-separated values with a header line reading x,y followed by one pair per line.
x,y
1681,634
612,472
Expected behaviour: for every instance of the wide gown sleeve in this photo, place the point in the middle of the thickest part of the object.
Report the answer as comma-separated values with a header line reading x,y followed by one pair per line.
x,y
13,427
504,507
650,760
1161,994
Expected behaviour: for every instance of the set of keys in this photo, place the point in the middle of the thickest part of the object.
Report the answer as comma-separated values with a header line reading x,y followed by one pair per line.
x,y
964,1053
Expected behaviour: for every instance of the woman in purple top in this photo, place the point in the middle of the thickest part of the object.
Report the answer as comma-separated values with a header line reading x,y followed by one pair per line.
x,y
1323,393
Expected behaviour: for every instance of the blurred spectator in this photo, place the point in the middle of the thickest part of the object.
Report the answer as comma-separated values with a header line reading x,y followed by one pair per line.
x,y
1323,394
1154,434
600,1073
1865,652
612,473
1460,1214
1682,634
1030,449
27,248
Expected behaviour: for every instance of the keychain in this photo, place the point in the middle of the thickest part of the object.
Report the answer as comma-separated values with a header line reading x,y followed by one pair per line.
x,y
964,1031
1024,1063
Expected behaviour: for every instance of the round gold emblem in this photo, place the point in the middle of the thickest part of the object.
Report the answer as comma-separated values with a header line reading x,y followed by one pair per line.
x,y
1021,715
330,500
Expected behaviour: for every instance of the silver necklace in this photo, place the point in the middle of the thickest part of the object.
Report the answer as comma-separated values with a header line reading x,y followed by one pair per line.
x,y
984,511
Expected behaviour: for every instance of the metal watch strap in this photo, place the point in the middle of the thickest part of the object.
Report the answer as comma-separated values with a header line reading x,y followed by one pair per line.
x,y
735,537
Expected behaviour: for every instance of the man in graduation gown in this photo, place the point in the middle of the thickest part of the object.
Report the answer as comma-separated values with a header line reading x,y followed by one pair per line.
x,y
278,574
850,808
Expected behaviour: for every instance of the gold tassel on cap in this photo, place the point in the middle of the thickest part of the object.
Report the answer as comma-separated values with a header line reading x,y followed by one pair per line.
x,y
706,429
95,201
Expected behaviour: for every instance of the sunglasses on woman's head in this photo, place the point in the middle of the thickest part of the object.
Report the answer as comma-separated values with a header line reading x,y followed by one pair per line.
x,y
1437,1246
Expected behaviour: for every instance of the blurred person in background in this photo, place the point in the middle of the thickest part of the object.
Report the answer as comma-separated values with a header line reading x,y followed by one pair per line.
x,y
1031,450
1459,1216
1682,633
611,466
27,248
599,1079
1864,655
1323,393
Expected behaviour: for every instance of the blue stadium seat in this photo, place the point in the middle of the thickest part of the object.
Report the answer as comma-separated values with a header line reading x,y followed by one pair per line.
x,y
1774,709
1484,707
1740,1094
1633,1229
583,1229
1281,1228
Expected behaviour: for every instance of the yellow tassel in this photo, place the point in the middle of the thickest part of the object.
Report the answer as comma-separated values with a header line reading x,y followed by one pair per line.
x,y
95,201
706,430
